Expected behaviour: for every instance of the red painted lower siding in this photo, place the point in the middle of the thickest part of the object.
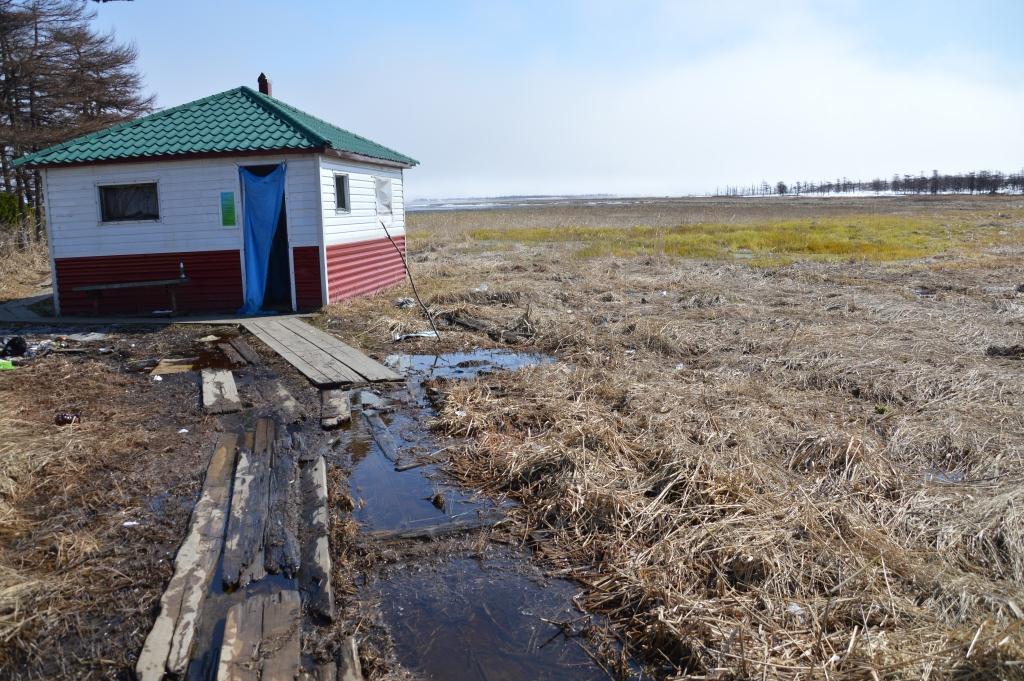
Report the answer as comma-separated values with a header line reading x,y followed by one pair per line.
x,y
363,267
215,282
307,277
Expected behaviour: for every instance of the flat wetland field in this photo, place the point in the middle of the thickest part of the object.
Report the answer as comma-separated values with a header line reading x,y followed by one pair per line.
x,y
778,438
783,437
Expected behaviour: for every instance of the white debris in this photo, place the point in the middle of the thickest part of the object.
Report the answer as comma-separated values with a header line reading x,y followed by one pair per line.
x,y
130,523
209,339
158,378
429,333
182,431
86,337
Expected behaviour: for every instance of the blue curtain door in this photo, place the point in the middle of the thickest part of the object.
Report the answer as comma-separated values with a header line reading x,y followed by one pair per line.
x,y
263,197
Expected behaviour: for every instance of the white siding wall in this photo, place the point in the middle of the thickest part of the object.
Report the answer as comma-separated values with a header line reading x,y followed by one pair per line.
x,y
189,194
360,222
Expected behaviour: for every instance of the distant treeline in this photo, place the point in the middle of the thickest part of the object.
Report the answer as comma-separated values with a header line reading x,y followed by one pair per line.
x,y
980,182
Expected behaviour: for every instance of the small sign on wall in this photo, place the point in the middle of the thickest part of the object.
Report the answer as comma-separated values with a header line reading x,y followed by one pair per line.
x,y
227,209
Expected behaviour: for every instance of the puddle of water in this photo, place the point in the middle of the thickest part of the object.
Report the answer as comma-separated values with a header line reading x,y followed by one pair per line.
x,y
470,620
463,364
458,618
387,499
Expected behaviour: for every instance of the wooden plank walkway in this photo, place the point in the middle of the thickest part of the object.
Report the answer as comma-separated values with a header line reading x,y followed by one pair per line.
x,y
322,358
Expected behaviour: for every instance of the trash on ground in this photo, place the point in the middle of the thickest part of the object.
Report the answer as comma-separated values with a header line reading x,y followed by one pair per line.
x,y
14,347
106,351
429,333
1011,351
405,303
208,339
158,378
90,337
182,431
66,418
6,365
130,523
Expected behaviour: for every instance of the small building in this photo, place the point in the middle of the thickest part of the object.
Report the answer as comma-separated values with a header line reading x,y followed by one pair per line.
x,y
234,202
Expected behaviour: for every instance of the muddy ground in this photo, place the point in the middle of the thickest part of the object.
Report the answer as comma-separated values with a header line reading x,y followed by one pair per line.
x,y
798,471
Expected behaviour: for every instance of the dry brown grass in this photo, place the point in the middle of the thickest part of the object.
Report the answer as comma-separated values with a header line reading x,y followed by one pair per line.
x,y
809,471
22,270
76,585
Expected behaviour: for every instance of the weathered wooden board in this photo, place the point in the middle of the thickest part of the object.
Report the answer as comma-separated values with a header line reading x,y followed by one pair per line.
x,y
286,405
280,646
243,547
315,573
369,369
281,547
220,396
349,668
382,436
169,643
322,358
261,639
173,366
317,365
232,355
243,632
243,349
444,529
335,408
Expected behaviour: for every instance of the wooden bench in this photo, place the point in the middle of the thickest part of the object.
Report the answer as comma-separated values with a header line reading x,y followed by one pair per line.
x,y
170,285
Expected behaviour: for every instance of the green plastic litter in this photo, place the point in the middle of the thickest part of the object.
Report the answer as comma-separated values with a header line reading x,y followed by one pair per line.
x,y
6,365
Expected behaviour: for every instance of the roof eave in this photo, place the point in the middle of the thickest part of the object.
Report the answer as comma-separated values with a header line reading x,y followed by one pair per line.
x,y
362,158
175,157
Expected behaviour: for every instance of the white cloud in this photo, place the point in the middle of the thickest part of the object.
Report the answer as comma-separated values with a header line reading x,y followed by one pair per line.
x,y
799,101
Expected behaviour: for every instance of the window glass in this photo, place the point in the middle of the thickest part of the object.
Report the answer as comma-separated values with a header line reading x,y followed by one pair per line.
x,y
341,192
124,202
383,196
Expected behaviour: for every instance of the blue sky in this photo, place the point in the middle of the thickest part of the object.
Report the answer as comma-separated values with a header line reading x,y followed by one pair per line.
x,y
658,98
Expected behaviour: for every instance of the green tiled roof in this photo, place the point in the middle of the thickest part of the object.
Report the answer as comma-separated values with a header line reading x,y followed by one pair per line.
x,y
239,120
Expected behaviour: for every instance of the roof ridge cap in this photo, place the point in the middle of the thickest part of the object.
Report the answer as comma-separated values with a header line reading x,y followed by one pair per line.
x,y
120,126
274,107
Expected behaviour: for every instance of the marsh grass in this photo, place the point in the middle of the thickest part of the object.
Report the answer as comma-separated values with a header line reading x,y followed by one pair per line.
x,y
865,237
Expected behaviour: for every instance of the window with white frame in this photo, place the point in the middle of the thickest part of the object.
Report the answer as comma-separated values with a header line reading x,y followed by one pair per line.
x,y
129,202
341,195
383,195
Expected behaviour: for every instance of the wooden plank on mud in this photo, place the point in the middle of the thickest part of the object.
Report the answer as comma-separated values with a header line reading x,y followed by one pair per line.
x,y
281,547
369,369
382,436
286,405
232,355
315,573
315,364
308,370
317,352
439,531
243,349
243,547
169,644
349,669
243,632
335,408
220,396
280,646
